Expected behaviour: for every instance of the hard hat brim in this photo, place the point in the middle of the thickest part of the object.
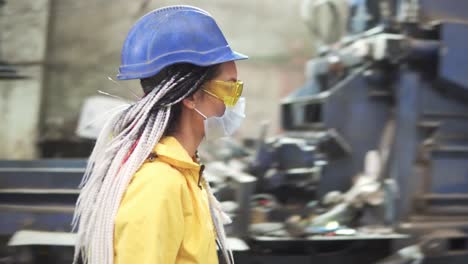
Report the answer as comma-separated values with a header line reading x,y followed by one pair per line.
x,y
135,71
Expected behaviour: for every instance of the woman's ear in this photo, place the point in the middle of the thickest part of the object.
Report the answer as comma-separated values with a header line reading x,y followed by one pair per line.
x,y
191,101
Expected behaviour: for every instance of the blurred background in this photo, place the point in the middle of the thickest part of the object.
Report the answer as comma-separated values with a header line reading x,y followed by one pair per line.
x,y
67,49
354,148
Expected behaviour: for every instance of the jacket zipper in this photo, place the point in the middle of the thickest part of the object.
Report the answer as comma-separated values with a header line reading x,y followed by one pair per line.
x,y
200,175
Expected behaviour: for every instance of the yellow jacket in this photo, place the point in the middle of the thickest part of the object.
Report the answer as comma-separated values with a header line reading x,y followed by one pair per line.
x,y
164,216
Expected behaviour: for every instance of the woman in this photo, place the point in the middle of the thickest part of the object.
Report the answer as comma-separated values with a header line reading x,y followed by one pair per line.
x,y
143,198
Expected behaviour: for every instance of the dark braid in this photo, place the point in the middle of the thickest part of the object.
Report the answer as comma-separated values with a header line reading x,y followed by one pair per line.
x,y
197,76
197,73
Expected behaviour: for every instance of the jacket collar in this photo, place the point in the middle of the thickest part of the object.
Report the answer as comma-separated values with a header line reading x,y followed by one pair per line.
x,y
172,152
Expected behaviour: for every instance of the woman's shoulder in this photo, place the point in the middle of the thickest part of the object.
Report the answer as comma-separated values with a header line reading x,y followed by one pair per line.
x,y
153,185
159,173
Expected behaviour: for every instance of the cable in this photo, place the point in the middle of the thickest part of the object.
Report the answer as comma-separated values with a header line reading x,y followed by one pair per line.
x,y
310,12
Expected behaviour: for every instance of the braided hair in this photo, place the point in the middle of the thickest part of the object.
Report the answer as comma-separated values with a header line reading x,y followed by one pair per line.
x,y
125,142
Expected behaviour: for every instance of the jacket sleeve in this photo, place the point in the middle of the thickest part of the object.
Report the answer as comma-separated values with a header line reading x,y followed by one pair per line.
x,y
149,226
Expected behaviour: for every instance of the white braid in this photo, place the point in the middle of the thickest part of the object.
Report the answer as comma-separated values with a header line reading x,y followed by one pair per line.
x,y
102,173
219,220
150,137
142,150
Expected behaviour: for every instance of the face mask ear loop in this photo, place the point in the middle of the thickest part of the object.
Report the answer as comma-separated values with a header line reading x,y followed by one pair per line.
x,y
200,113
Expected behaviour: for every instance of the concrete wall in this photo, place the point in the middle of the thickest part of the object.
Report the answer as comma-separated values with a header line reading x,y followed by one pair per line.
x,y
85,38
23,35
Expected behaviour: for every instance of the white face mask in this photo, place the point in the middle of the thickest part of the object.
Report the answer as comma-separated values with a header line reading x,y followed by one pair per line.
x,y
224,126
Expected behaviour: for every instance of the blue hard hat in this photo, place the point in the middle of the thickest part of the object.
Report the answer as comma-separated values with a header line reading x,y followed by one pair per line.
x,y
174,34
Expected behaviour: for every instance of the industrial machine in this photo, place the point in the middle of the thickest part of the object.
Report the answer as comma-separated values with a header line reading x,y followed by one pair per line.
x,y
371,168
377,135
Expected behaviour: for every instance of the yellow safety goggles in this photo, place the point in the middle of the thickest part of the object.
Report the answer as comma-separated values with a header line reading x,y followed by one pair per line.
x,y
227,91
